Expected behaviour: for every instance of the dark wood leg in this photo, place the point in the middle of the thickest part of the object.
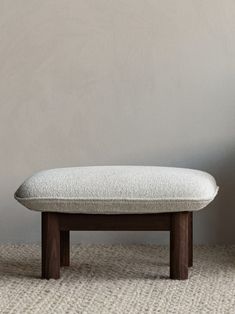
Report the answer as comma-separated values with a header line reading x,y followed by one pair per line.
x,y
190,240
179,245
50,246
64,248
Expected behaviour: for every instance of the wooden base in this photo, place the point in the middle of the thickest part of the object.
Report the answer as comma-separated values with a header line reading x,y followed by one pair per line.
x,y
56,227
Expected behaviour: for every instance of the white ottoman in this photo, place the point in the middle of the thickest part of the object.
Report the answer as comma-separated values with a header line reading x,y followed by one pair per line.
x,y
116,198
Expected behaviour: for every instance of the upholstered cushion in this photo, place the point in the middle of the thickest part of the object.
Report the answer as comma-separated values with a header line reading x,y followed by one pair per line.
x,y
117,189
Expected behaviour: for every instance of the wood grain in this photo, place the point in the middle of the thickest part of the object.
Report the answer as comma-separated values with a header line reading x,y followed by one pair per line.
x,y
179,246
136,222
50,246
190,239
64,248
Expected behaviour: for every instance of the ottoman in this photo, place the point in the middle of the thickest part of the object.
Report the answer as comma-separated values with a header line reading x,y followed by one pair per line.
x,y
117,198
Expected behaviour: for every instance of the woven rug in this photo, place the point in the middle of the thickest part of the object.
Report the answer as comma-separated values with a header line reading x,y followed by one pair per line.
x,y
117,279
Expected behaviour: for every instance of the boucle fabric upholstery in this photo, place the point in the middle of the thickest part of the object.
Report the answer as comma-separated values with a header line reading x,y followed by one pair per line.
x,y
117,190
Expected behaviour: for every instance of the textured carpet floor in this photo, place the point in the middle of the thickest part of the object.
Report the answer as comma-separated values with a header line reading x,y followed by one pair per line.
x,y
117,279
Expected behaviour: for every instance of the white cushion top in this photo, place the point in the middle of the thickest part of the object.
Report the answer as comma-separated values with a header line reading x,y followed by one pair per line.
x,y
117,189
